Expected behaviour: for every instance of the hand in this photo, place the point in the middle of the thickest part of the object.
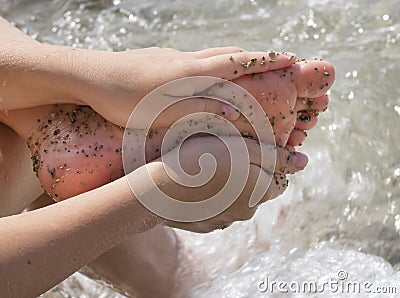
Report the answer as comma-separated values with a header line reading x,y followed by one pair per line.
x,y
190,152
113,83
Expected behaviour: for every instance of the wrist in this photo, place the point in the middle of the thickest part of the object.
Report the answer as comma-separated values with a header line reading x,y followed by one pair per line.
x,y
34,74
60,74
90,75
140,188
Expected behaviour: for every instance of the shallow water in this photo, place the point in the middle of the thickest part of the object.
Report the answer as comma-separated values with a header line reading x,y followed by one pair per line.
x,y
343,211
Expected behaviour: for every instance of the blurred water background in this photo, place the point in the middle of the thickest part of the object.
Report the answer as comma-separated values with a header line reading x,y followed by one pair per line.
x,y
343,211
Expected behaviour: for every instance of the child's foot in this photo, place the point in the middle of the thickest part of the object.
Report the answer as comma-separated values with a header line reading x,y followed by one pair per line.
x,y
307,111
292,98
75,150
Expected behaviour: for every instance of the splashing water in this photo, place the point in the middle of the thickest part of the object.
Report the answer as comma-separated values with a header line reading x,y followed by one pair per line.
x,y
343,211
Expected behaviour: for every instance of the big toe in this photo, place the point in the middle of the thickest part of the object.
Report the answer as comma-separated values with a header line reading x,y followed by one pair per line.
x,y
312,78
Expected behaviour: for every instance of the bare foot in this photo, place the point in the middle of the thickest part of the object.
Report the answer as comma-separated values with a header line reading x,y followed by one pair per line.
x,y
291,97
75,150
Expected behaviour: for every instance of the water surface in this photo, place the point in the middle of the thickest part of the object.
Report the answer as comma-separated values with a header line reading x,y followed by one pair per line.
x,y
343,211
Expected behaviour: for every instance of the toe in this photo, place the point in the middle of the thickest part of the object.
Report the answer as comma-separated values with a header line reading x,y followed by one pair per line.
x,y
319,104
306,121
312,78
297,137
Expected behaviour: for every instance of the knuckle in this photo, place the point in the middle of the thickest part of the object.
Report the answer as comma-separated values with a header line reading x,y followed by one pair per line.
x,y
271,157
283,159
241,56
188,67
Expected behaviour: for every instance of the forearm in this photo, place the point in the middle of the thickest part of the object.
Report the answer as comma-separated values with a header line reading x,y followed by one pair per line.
x,y
33,74
40,248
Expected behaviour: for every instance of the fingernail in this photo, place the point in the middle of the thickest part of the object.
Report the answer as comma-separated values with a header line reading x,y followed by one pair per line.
x,y
300,160
229,112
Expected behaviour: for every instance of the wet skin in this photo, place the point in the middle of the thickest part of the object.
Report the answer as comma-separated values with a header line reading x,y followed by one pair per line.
x,y
75,150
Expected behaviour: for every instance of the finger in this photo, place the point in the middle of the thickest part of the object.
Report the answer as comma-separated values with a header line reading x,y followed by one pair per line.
x,y
254,191
319,104
289,162
277,187
275,159
296,137
232,66
240,210
206,53
306,120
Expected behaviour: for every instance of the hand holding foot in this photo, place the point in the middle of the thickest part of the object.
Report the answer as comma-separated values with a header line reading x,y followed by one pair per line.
x,y
70,159
75,149
290,97
118,81
112,83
